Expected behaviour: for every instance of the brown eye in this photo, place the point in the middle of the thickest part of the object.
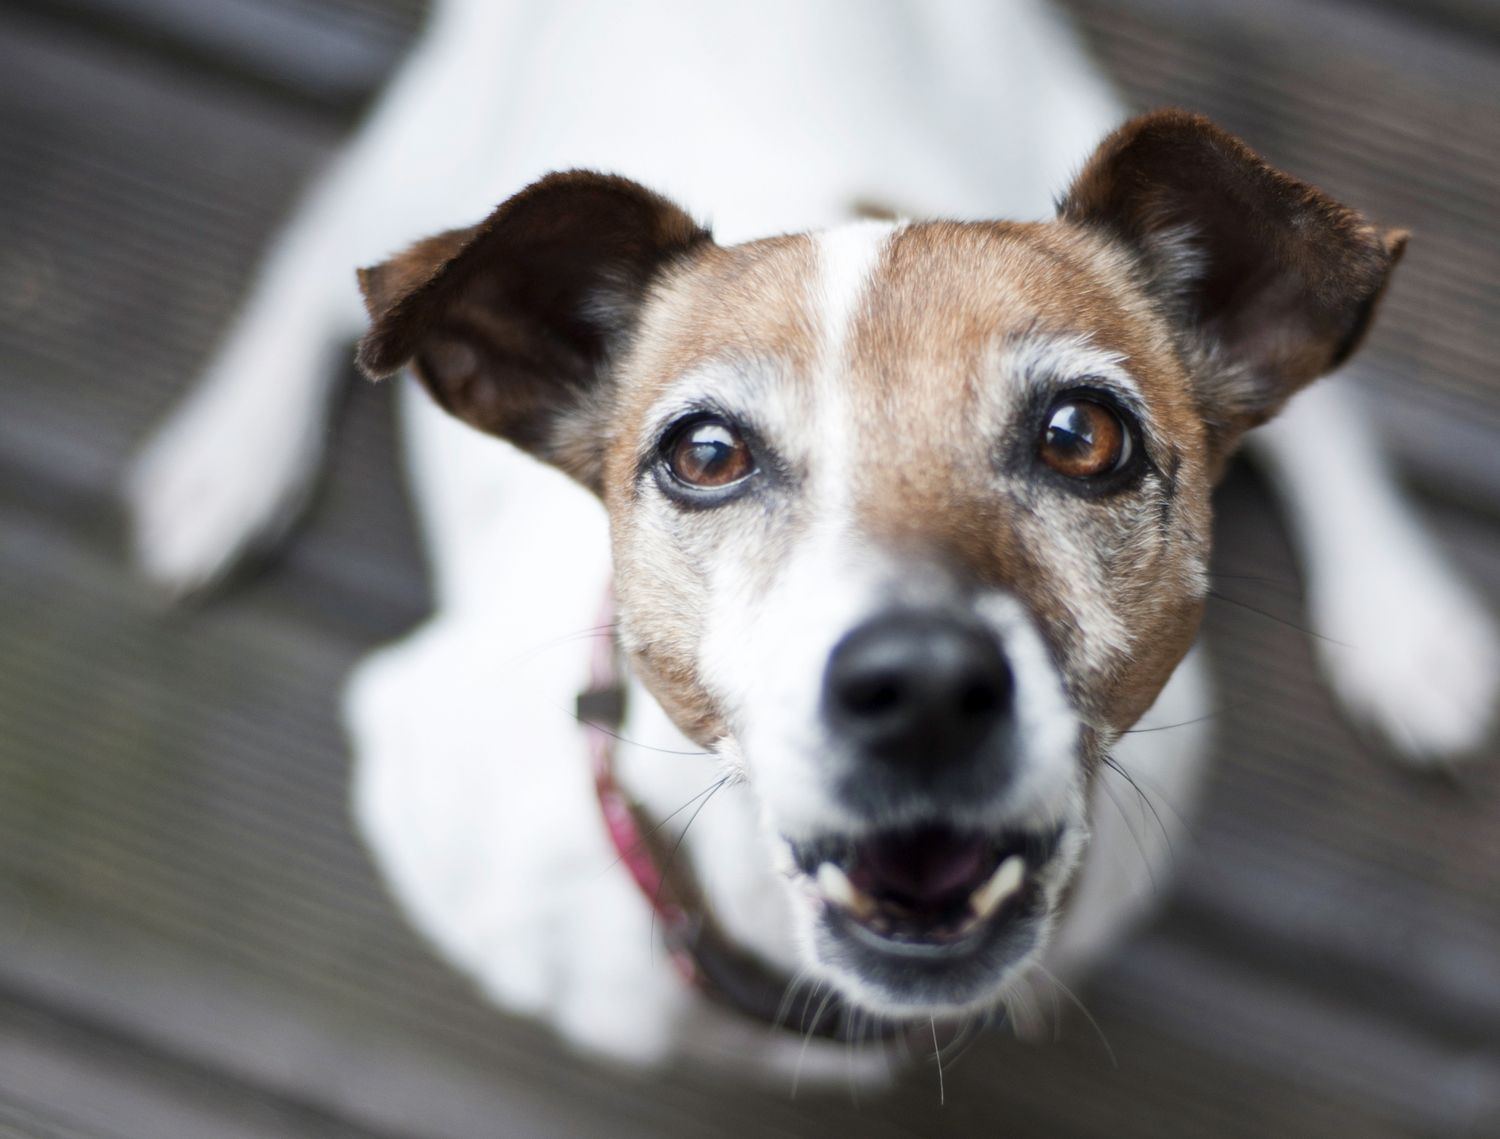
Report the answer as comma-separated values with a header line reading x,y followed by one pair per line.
x,y
709,454
1084,439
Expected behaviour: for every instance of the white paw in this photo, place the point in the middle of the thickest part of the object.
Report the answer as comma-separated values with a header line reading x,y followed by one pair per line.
x,y
500,861
1411,652
228,469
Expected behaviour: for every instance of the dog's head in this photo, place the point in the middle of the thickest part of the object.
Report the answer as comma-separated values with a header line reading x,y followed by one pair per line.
x,y
910,522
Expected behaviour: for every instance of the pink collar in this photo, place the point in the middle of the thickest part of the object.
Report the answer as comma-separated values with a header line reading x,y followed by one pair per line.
x,y
704,956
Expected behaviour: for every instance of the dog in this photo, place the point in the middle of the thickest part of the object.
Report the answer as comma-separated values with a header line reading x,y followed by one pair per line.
x,y
860,543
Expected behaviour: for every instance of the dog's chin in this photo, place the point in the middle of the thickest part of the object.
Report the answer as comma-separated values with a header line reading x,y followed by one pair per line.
x,y
929,921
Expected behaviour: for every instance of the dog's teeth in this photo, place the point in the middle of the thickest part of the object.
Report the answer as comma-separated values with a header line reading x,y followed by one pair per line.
x,y
1002,884
835,885
838,889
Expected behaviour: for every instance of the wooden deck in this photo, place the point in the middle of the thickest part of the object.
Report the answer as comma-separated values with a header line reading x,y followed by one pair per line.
x,y
192,942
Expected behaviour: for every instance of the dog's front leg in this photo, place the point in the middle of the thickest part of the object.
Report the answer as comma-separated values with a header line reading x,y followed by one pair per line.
x,y
1410,649
232,465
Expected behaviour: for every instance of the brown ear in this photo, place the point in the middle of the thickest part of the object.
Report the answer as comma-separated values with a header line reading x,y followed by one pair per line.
x,y
1271,282
511,324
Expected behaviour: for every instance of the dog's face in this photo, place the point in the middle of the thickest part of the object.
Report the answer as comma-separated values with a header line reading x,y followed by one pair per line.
x,y
909,522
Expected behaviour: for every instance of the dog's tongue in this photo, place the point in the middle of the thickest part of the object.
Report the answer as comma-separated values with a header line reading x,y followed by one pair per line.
x,y
921,868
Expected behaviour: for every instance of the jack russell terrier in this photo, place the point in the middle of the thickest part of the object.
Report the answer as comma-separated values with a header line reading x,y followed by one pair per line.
x,y
861,543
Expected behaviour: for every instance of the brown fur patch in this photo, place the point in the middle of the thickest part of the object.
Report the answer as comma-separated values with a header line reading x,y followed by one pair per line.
x,y
510,323
749,302
921,348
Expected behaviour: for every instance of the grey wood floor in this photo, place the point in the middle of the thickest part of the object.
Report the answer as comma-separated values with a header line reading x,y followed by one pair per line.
x,y
192,942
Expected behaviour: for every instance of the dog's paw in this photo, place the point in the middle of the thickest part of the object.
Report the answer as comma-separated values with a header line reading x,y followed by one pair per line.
x,y
229,470
1412,653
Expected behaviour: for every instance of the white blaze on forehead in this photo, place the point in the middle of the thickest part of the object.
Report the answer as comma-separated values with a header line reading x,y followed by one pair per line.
x,y
847,258
761,390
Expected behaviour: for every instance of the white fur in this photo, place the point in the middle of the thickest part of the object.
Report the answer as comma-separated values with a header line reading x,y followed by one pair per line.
x,y
471,779
1139,822
1410,650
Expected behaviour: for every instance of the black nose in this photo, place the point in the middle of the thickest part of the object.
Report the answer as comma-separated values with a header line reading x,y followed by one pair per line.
x,y
919,687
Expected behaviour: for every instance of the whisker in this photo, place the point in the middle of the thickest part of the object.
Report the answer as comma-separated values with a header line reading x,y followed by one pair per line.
x,y
904,1041
1135,837
1007,1010
572,713
1288,583
986,1019
807,1039
640,845
1166,800
536,650
1030,1009
1056,1016
851,1052
1072,996
937,1054
800,979
676,846
1219,711
967,1036
1115,765
614,735
587,634
885,1029
1268,615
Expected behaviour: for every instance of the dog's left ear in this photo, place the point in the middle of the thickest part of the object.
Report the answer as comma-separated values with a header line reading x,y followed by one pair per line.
x,y
1271,282
512,324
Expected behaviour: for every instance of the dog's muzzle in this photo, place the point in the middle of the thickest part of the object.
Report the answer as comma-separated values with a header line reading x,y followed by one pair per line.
x,y
941,886
929,920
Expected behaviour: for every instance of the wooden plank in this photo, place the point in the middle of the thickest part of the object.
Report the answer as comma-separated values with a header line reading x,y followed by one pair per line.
x,y
327,55
1477,21
64,1080
1355,873
1405,1082
132,208
1180,1082
18,1121
176,869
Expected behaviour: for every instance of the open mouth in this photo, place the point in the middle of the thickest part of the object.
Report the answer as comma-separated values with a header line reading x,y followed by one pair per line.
x,y
929,891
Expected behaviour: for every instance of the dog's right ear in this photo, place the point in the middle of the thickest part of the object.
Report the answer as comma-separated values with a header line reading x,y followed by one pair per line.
x,y
1270,282
512,324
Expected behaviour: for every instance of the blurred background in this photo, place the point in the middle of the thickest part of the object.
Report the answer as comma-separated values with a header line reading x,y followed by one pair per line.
x,y
192,942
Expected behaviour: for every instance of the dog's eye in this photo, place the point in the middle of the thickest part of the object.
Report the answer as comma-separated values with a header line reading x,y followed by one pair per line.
x,y
1085,439
708,454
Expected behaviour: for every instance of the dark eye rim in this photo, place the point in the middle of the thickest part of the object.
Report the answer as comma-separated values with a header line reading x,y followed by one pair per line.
x,y
1125,476
685,493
